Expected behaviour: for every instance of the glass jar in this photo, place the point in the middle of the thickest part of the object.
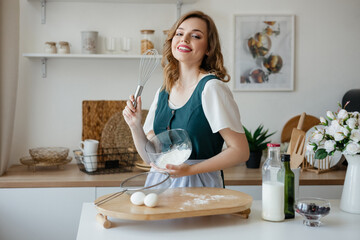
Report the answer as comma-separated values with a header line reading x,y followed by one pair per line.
x,y
50,47
272,186
147,40
64,48
89,42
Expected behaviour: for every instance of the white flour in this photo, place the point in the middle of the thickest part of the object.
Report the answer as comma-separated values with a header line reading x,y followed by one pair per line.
x,y
175,157
204,199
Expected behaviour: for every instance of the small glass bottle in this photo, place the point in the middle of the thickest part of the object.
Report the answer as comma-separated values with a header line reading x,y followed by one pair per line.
x,y
147,40
289,189
272,186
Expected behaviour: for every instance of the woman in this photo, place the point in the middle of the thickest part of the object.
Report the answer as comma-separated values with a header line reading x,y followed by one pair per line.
x,y
194,97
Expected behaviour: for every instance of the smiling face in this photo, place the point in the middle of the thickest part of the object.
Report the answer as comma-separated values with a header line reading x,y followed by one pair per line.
x,y
190,42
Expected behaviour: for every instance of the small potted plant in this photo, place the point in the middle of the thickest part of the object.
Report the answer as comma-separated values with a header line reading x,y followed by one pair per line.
x,y
257,143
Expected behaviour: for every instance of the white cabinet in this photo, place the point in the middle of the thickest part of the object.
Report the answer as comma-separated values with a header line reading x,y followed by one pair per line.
x,y
42,213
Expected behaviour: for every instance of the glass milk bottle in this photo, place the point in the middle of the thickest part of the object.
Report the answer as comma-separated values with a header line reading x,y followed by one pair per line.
x,y
272,186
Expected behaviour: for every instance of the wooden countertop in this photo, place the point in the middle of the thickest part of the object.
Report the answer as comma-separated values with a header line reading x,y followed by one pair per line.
x,y
19,176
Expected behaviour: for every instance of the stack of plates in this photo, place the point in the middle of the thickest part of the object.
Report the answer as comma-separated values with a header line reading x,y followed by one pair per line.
x,y
142,166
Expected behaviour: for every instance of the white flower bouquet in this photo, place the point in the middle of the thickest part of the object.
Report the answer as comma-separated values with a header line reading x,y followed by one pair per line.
x,y
340,133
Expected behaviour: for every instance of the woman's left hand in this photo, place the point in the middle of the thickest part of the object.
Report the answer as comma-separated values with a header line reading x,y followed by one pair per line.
x,y
175,171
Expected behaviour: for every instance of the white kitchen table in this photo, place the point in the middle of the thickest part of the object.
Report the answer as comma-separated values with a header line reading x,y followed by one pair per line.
x,y
337,225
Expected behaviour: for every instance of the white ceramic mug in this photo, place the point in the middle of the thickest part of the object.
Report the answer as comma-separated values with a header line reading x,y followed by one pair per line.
x,y
296,172
90,162
89,146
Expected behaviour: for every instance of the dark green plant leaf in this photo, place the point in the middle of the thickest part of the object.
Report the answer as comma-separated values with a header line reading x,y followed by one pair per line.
x,y
321,154
257,141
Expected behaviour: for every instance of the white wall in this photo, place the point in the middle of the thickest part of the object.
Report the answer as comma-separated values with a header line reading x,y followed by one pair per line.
x,y
49,109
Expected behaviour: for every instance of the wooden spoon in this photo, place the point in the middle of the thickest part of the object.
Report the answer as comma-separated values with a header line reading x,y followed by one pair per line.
x,y
298,155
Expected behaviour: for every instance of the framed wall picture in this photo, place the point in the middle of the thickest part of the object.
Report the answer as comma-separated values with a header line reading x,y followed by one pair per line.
x,y
264,53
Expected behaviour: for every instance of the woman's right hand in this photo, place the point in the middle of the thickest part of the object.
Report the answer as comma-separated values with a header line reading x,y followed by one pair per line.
x,y
131,114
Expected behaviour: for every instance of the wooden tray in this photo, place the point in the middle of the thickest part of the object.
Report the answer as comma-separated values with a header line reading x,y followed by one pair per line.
x,y
178,203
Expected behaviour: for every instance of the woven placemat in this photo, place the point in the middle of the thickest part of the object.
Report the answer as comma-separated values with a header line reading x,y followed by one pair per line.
x,y
95,115
116,132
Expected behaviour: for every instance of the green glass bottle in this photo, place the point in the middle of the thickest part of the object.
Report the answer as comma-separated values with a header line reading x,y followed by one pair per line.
x,y
289,187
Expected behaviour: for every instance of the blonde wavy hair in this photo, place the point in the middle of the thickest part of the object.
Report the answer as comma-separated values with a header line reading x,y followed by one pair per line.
x,y
213,62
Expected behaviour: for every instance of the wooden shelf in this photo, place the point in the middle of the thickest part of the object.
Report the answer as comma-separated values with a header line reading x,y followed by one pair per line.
x,y
44,57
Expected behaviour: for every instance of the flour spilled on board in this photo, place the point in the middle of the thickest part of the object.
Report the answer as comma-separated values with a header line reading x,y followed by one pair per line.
x,y
203,199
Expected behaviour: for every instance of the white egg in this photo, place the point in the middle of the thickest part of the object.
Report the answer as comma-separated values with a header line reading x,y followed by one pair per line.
x,y
151,200
137,198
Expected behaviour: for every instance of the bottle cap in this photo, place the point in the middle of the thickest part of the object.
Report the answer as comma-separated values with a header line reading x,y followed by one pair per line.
x,y
273,145
285,157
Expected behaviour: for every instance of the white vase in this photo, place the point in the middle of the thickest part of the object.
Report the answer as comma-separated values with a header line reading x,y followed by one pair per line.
x,y
350,198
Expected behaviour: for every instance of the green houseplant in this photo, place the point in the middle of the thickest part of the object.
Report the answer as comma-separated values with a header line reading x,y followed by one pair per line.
x,y
257,143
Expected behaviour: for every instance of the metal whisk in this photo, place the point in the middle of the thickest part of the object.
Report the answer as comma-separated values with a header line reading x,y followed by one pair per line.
x,y
148,62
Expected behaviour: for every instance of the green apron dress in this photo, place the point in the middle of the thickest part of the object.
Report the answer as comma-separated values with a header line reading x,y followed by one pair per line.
x,y
205,143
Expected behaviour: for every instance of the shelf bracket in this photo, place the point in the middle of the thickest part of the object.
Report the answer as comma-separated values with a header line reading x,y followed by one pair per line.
x,y
43,11
43,67
179,4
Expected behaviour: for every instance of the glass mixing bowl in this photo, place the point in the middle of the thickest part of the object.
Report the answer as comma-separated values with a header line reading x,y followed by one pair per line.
x,y
312,209
169,147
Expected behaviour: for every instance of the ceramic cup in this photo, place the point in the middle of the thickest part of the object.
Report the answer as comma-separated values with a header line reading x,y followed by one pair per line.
x,y
90,162
89,148
296,172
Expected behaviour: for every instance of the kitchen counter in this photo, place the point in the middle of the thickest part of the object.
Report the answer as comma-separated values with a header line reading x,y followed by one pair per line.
x,y
20,176
337,225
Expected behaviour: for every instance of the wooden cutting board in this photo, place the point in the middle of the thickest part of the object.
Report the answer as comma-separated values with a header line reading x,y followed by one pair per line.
x,y
309,122
179,203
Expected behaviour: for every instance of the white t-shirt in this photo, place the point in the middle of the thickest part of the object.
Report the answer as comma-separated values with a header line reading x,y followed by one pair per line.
x,y
219,107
